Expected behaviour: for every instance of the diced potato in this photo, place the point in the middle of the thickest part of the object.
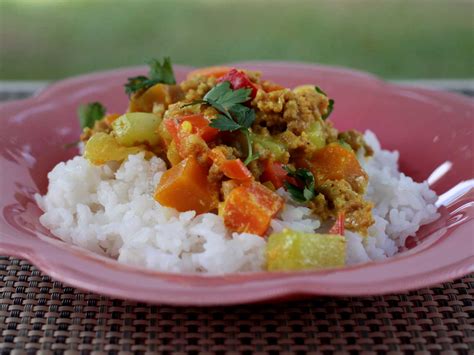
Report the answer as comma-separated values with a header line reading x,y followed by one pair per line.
x,y
103,147
290,250
276,148
135,128
315,134
249,208
334,162
161,94
185,187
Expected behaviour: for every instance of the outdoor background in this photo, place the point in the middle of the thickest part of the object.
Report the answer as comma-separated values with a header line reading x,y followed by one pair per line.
x,y
51,39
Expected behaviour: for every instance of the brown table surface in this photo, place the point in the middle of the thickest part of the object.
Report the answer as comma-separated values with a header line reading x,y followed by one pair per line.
x,y
40,315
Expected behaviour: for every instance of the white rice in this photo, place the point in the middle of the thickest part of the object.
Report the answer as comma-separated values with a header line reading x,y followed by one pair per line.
x,y
110,209
401,206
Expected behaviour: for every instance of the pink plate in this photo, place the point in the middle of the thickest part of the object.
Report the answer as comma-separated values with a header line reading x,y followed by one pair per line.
x,y
432,130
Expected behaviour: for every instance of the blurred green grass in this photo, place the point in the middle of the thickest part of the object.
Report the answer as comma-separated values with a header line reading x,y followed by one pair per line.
x,y
50,39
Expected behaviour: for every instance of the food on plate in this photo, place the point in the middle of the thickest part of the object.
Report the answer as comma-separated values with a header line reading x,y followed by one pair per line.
x,y
227,171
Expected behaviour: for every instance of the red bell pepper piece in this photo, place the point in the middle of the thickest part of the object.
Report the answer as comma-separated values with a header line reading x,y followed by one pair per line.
x,y
200,126
172,126
232,168
239,80
274,172
338,227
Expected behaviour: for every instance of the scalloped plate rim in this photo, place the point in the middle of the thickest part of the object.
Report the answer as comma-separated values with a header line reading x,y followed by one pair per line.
x,y
295,285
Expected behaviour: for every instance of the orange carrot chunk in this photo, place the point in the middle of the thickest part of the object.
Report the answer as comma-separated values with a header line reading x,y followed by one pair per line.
x,y
333,162
249,208
185,187
216,71
235,169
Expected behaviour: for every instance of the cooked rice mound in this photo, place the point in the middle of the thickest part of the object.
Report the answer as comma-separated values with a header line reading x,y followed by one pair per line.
x,y
110,209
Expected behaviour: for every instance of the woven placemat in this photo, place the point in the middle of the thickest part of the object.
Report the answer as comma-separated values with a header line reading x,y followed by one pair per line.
x,y
37,313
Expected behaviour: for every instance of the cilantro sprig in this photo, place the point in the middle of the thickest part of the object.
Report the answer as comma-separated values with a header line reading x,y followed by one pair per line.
x,y
233,115
243,121
158,73
90,113
305,191
330,104
223,98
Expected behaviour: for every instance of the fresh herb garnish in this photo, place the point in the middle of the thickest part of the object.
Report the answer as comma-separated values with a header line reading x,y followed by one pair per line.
x,y
233,116
330,108
90,113
305,192
330,104
224,99
320,91
158,73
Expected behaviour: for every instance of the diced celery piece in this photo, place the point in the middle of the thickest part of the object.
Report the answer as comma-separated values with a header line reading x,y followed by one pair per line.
x,y
135,128
102,147
274,146
315,135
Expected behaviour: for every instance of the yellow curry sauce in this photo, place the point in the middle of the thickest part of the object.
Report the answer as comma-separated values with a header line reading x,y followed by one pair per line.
x,y
231,139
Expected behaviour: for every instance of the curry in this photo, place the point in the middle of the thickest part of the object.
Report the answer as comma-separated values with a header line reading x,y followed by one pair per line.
x,y
234,143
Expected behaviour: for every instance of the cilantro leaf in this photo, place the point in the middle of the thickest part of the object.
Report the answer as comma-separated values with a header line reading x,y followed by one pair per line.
x,y
224,123
306,191
158,73
162,72
308,194
223,98
90,113
250,155
138,83
320,91
232,115
245,116
192,103
330,104
329,111
295,192
218,107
